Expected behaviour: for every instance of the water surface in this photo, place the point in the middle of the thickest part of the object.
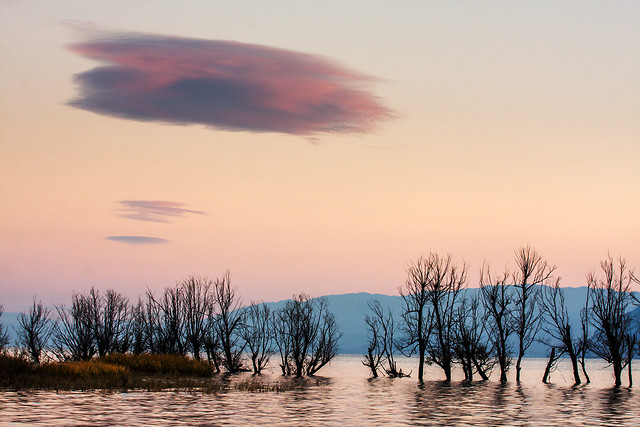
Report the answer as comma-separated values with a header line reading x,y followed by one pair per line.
x,y
345,396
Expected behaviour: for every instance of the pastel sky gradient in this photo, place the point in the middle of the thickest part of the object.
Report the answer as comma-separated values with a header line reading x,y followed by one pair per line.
x,y
311,146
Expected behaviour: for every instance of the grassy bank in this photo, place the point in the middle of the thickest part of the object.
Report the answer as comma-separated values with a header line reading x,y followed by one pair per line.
x,y
122,372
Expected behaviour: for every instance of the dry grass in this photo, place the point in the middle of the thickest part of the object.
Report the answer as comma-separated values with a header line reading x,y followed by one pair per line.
x,y
121,372
17,373
164,364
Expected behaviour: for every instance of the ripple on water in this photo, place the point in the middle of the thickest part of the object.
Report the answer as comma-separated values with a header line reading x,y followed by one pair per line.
x,y
345,396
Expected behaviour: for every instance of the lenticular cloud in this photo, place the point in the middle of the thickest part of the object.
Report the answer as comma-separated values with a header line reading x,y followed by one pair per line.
x,y
154,210
225,85
137,240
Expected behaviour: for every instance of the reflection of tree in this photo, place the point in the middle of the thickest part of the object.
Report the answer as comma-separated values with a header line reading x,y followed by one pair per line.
x,y
615,405
464,403
309,403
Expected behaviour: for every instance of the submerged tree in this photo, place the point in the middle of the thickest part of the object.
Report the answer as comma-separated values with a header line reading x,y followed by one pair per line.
x,y
611,300
34,330
430,295
381,329
497,299
443,289
552,362
631,338
283,338
307,335
389,330
258,335
416,313
583,347
325,347
375,349
532,270
557,325
471,348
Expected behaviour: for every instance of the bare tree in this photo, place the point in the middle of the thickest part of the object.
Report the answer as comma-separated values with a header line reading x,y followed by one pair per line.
x,y
631,338
375,349
211,343
299,327
497,298
196,296
557,325
471,348
111,321
257,333
229,321
34,330
4,334
283,336
325,347
388,332
552,362
583,347
73,335
150,319
416,314
138,328
166,321
443,289
306,334
611,300
532,270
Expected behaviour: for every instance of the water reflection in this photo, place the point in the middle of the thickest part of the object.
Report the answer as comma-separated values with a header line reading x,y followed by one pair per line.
x,y
343,396
310,400
616,403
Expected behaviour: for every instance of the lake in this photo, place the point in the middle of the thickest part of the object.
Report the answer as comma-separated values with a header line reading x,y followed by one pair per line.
x,y
344,395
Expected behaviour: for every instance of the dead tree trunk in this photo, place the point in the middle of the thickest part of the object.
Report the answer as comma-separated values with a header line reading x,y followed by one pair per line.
x,y
550,363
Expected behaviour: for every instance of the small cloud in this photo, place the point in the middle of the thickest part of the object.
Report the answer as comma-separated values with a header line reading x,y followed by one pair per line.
x,y
154,210
225,85
137,240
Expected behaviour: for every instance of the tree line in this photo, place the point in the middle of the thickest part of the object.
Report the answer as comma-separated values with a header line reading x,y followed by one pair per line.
x,y
440,324
198,317
485,332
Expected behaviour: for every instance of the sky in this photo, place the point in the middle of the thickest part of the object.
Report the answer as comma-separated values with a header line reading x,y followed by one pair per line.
x,y
313,147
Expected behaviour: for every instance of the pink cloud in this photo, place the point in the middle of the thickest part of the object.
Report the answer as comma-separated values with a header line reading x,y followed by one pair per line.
x,y
225,85
154,210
